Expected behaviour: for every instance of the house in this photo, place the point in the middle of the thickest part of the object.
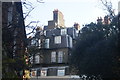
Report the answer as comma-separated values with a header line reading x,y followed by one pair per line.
x,y
51,49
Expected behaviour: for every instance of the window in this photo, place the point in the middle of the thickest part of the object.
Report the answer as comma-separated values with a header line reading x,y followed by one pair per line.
x,y
47,43
33,42
33,73
70,40
53,57
45,33
44,72
63,31
60,56
37,59
61,72
38,72
31,59
57,39
39,42
10,15
41,32
36,42
15,33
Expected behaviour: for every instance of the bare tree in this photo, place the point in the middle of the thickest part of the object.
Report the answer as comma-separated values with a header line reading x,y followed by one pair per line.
x,y
108,7
29,8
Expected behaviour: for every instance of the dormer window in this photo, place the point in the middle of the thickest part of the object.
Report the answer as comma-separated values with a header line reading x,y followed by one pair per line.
x,y
57,39
63,31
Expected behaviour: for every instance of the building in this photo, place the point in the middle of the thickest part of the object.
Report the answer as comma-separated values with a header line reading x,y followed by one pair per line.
x,y
14,40
51,49
13,27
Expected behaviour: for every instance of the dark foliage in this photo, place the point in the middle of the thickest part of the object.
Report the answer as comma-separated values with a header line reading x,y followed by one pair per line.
x,y
13,42
97,52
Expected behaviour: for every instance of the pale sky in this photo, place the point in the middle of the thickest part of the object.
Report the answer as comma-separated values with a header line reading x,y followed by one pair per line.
x,y
80,11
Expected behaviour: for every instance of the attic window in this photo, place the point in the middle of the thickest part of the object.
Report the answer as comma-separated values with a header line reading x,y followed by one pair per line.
x,y
57,39
63,31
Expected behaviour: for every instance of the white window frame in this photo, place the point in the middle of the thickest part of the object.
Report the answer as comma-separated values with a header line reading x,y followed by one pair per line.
x,y
53,56
57,39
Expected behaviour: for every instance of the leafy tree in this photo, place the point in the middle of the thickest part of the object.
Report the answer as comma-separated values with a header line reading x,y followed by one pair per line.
x,y
13,41
13,45
96,52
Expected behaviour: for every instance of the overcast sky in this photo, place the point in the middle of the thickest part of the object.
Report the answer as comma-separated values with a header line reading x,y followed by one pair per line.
x,y
80,11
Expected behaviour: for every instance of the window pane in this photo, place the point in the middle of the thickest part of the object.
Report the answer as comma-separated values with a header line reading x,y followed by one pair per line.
x,y
39,41
45,33
38,72
31,59
60,56
71,42
44,72
46,43
10,15
53,57
33,42
63,31
37,59
33,73
61,72
57,39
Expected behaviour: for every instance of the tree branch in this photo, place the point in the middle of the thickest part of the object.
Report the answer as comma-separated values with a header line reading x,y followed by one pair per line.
x,y
28,13
108,6
40,1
